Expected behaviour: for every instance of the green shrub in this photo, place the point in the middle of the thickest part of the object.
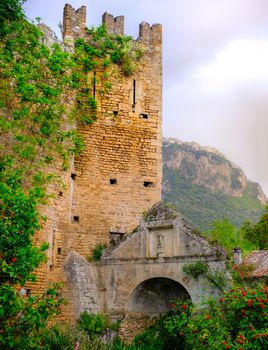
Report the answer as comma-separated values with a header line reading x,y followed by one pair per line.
x,y
93,325
196,269
166,332
97,252
87,332
238,320
64,338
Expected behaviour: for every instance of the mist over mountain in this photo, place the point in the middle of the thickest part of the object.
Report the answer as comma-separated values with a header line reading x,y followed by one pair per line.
x,y
205,186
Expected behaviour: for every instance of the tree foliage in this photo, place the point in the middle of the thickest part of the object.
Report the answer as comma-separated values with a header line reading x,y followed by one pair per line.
x,y
30,112
258,233
44,93
225,233
10,10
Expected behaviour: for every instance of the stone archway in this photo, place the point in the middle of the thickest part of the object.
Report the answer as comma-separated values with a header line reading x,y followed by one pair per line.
x,y
144,273
155,296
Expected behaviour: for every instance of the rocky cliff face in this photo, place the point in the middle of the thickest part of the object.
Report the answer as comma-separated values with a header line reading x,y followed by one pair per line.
x,y
206,187
207,167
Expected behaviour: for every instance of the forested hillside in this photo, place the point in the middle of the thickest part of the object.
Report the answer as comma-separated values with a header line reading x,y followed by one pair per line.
x,y
205,186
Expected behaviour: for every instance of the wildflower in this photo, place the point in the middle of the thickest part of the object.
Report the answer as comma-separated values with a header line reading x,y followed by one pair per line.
x,y
249,302
183,306
14,259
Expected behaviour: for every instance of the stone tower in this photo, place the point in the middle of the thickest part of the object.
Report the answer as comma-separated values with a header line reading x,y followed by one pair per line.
x,y
118,176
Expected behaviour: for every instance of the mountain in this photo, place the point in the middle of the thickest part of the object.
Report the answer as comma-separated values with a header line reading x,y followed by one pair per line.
x,y
205,186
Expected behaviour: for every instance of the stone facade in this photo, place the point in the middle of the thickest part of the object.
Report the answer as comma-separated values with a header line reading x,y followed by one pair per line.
x,y
119,174
143,275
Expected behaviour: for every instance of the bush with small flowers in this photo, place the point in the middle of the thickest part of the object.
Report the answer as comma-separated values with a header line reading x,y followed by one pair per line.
x,y
238,320
168,332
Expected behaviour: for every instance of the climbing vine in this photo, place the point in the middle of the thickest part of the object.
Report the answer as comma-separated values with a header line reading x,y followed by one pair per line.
x,y
201,268
97,54
43,91
118,49
196,269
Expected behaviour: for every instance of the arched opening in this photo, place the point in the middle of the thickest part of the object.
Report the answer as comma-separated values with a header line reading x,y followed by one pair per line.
x,y
155,296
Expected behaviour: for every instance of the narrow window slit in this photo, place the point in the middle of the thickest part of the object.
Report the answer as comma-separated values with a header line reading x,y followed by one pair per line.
x,y
134,96
76,218
94,84
59,251
113,181
73,176
115,113
148,184
144,116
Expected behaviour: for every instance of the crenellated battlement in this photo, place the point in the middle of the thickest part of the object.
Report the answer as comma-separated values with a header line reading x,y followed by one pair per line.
x,y
74,26
113,25
74,22
150,34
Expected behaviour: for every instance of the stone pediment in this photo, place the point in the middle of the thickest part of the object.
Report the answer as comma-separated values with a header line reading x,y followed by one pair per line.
x,y
164,234
144,273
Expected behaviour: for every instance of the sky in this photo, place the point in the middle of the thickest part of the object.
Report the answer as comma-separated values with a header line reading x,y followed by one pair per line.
x,y
215,69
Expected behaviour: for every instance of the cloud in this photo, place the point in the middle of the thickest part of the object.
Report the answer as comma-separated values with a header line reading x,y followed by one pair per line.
x,y
242,63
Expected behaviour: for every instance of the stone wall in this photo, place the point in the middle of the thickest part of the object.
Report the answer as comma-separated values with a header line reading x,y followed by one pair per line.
x,y
119,174
133,324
